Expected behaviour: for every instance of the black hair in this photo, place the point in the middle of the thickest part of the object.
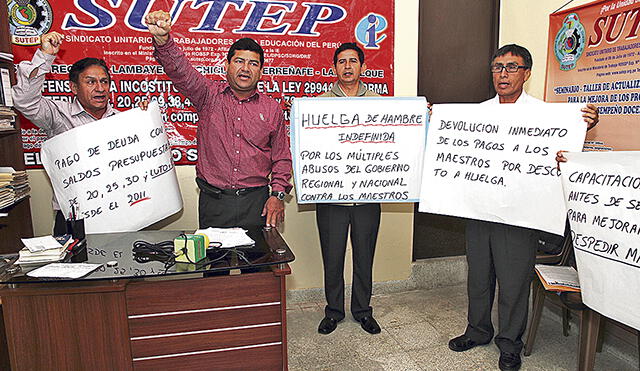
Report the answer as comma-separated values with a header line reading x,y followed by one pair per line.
x,y
246,44
518,51
84,63
348,46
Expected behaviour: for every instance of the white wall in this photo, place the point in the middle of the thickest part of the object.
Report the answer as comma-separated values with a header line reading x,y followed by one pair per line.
x,y
393,254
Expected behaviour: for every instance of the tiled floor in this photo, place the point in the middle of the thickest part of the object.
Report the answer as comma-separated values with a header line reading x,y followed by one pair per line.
x,y
416,326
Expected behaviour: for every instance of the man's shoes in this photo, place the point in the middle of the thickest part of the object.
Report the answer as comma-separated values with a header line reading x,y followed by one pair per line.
x,y
462,343
509,361
370,325
327,325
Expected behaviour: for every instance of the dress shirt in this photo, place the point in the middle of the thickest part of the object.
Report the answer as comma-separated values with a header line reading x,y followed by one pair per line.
x,y
336,91
54,117
240,141
523,98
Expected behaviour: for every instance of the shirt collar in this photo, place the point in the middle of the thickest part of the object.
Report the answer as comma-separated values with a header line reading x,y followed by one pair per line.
x,y
253,96
335,89
523,98
76,109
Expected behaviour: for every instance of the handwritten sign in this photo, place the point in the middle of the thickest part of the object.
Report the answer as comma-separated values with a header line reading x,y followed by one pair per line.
x,y
602,193
117,173
496,162
358,149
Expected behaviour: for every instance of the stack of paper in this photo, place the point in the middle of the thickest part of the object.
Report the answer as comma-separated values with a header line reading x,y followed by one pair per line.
x,y
7,118
14,185
6,97
558,278
6,56
227,237
44,249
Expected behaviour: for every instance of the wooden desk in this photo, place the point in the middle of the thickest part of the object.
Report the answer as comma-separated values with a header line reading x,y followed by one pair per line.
x,y
227,322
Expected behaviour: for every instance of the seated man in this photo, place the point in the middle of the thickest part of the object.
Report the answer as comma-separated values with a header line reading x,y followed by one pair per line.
x,y
90,84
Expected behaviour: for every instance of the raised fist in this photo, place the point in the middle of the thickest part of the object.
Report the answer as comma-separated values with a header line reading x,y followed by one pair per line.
x,y
50,42
159,25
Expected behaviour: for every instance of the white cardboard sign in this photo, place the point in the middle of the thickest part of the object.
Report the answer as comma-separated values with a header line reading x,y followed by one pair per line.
x,y
116,172
358,149
602,194
496,162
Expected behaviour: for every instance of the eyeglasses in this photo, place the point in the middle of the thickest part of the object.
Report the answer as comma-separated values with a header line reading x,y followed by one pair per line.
x,y
510,67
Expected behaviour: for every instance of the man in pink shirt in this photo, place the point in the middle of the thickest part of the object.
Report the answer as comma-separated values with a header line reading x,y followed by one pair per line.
x,y
243,145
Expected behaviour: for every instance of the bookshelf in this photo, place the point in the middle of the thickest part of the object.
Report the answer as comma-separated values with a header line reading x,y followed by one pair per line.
x,y
17,222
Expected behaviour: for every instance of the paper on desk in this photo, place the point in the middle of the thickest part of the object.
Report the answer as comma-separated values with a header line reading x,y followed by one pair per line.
x,y
228,237
41,243
64,270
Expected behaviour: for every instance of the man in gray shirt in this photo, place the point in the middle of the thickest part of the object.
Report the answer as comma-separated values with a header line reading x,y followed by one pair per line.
x,y
90,82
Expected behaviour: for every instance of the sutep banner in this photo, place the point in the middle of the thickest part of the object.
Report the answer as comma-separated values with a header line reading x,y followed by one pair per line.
x,y
594,57
298,37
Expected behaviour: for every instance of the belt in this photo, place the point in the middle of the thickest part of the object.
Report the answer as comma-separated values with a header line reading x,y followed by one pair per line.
x,y
241,191
216,192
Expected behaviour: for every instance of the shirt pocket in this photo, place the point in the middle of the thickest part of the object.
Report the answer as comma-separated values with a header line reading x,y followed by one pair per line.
x,y
257,130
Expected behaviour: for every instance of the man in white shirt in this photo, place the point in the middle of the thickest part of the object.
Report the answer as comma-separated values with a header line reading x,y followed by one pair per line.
x,y
501,252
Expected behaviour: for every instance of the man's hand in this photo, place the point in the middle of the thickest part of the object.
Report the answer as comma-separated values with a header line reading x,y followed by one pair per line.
x,y
50,42
590,115
560,158
143,104
274,210
159,25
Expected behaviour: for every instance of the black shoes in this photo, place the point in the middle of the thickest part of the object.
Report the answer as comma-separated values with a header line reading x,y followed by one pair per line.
x,y
509,361
327,325
462,343
370,325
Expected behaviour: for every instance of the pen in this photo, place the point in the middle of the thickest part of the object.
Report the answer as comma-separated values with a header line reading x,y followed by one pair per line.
x,y
72,245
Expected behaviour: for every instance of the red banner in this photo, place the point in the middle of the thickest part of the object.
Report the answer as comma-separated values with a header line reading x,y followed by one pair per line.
x,y
298,37
594,57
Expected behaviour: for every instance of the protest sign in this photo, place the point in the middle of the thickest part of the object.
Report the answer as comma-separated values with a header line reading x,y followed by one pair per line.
x,y
603,207
496,162
358,149
115,173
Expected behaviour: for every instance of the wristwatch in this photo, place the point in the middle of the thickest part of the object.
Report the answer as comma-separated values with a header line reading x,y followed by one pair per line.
x,y
279,195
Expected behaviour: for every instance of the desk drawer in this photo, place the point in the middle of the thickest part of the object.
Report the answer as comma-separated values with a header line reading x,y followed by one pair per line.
x,y
224,322
210,318
205,340
267,357
148,297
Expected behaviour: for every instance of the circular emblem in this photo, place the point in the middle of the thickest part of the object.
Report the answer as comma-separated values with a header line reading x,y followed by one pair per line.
x,y
28,20
569,42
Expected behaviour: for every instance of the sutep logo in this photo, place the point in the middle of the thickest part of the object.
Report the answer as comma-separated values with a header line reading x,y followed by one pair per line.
x,y
369,31
569,43
28,20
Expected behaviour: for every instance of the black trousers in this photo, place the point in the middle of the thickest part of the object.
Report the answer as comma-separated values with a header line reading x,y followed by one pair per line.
x,y
224,210
60,224
506,254
333,226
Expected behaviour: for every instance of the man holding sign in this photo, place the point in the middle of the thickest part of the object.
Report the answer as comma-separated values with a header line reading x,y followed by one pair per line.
x,y
90,84
334,220
503,252
242,140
